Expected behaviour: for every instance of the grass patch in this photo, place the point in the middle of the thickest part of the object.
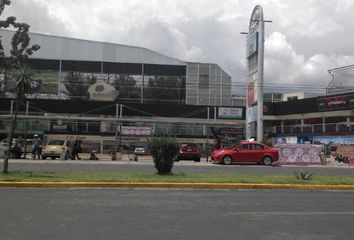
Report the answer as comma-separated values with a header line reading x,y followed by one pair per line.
x,y
30,176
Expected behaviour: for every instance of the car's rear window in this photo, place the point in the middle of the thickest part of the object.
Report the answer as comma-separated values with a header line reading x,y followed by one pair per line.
x,y
192,145
185,147
56,142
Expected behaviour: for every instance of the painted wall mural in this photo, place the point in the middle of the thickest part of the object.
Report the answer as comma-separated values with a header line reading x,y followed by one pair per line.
x,y
300,154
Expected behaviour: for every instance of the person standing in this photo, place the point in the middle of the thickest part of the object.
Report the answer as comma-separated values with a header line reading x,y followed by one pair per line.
x,y
37,147
77,149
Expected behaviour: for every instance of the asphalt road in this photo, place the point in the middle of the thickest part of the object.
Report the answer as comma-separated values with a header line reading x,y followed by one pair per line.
x,y
35,213
182,166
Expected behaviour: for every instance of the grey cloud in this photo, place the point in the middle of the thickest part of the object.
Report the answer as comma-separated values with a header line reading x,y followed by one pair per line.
x,y
305,39
37,15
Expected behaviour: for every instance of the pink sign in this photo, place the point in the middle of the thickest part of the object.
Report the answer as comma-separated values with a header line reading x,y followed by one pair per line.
x,y
300,154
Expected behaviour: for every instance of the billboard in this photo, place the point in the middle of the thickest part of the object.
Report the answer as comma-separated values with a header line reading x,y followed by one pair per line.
x,y
45,82
229,113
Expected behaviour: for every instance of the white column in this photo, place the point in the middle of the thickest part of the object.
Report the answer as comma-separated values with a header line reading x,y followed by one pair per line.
x,y
260,82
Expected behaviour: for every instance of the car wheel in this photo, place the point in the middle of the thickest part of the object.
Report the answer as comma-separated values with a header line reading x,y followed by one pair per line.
x,y
267,160
197,160
53,158
227,160
44,158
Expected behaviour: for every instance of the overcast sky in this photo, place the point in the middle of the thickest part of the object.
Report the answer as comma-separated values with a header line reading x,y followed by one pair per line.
x,y
306,38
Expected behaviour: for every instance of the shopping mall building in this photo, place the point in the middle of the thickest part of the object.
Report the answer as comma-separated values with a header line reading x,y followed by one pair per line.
x,y
90,89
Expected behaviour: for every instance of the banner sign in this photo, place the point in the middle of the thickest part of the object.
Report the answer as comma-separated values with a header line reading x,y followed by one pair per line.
x,y
300,154
251,94
252,114
126,130
335,102
229,113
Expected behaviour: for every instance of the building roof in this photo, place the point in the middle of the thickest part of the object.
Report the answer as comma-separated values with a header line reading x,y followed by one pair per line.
x,y
64,48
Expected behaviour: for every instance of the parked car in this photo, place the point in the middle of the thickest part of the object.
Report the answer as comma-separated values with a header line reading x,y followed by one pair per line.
x,y
18,146
140,150
57,149
188,151
246,152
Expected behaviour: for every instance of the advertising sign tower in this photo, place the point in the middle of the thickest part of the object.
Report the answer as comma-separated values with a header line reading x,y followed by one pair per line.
x,y
255,59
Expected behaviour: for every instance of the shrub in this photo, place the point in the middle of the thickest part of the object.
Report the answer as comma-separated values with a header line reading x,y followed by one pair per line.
x,y
303,175
163,151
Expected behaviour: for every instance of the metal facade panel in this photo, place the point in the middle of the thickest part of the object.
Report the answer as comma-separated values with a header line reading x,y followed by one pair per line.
x,y
218,92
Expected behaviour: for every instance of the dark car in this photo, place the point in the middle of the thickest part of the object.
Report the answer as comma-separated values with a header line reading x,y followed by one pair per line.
x,y
246,152
188,151
141,150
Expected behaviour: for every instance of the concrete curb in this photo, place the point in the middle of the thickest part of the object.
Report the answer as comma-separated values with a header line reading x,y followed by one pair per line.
x,y
175,185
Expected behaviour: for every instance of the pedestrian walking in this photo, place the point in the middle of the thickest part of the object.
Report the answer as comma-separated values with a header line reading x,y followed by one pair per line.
x,y
37,147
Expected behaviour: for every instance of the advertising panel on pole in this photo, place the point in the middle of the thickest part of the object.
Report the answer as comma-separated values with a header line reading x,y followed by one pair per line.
x,y
250,94
252,114
229,113
252,44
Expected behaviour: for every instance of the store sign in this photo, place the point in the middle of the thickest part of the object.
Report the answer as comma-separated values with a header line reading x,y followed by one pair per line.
x,y
230,131
230,113
126,130
136,131
335,102
59,127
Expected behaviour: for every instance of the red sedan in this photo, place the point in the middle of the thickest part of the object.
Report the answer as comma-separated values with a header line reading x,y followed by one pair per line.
x,y
246,152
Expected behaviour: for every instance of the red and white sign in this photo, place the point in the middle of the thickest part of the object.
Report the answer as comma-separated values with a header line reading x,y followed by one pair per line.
x,y
126,130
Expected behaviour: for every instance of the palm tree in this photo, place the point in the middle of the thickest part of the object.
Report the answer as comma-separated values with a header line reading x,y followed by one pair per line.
x,y
23,77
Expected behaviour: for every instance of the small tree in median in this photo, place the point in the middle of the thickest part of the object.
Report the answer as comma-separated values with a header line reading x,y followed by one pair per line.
x,y
163,151
23,75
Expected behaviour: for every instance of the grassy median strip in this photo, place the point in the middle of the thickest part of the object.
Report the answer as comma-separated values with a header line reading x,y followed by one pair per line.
x,y
29,176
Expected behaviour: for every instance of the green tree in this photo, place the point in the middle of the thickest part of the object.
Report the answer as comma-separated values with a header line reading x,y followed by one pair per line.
x,y
126,86
19,62
77,84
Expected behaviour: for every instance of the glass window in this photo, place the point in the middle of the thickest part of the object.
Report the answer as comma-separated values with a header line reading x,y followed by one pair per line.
x,y
56,142
245,147
258,147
